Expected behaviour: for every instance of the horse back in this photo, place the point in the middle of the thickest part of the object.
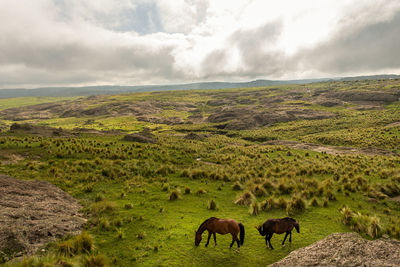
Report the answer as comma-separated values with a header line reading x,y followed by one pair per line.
x,y
225,226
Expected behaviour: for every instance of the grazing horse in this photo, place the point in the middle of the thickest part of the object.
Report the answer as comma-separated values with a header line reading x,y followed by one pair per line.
x,y
221,226
278,226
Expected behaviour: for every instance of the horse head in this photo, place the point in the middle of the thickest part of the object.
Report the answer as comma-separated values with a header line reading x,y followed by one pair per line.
x,y
197,238
260,229
296,225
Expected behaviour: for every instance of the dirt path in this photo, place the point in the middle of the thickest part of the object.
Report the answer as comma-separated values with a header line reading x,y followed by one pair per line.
x,y
32,213
334,150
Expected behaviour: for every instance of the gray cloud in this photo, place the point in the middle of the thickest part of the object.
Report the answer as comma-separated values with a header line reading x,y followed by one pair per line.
x,y
59,42
256,50
370,48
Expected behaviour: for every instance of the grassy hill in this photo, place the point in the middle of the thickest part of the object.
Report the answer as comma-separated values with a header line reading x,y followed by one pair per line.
x,y
304,150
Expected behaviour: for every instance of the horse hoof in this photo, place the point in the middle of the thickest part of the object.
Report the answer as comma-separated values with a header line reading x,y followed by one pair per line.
x,y
237,250
283,246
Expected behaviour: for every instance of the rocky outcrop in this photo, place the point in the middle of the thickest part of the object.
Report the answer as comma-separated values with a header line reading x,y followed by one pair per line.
x,y
345,249
33,213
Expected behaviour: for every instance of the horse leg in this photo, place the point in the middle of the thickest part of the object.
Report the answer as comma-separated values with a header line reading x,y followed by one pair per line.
x,y
208,240
233,241
266,239
269,240
215,240
290,237
283,243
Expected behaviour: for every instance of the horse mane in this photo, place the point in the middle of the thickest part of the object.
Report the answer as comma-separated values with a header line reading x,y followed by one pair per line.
x,y
203,223
289,219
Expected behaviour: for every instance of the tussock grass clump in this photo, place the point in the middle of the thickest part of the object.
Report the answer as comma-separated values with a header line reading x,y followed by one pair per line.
x,y
128,206
187,190
141,235
82,243
201,191
330,195
254,208
237,186
99,197
259,191
174,195
104,206
245,199
67,248
374,227
165,187
92,260
212,205
347,215
281,203
268,186
295,205
314,202
104,224
268,204
120,233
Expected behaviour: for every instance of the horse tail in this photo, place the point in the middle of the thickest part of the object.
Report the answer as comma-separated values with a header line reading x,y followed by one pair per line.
x,y
241,233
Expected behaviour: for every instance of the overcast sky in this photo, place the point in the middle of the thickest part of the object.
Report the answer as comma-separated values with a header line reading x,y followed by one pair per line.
x,y
134,42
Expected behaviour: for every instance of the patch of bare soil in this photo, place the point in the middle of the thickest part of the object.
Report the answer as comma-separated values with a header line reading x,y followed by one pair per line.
x,y
37,129
161,120
144,136
194,136
33,213
92,106
370,96
10,158
394,124
345,249
249,117
334,150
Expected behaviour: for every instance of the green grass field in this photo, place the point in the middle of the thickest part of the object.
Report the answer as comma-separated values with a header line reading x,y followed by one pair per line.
x,y
124,187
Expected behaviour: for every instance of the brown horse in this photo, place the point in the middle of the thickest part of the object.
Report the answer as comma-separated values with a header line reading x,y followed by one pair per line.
x,y
221,226
278,226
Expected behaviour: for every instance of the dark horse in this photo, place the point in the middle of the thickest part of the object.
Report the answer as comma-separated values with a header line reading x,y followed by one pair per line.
x,y
278,226
221,226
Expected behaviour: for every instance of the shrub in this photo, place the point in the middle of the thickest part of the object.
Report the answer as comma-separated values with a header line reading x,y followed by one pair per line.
x,y
174,195
92,260
254,208
245,199
212,205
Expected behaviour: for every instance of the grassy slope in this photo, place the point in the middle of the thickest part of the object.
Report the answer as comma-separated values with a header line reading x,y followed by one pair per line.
x,y
157,231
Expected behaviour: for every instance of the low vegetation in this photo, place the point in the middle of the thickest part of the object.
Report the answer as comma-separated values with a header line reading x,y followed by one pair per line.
x,y
143,201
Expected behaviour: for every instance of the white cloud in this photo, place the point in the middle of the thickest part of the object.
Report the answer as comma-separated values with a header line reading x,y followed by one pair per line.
x,y
76,42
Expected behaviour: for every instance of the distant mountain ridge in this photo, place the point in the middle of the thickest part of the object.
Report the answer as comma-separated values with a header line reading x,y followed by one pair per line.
x,y
116,89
